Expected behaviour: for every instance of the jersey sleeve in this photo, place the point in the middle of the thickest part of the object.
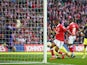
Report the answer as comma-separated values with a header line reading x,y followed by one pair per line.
x,y
64,29
77,26
68,27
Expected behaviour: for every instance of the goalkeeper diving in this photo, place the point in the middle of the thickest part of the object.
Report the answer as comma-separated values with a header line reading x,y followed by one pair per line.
x,y
9,29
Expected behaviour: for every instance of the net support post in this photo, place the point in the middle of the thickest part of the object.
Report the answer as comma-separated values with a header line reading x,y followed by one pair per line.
x,y
45,30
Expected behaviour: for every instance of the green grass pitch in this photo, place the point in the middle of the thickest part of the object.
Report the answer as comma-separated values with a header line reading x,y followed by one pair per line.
x,y
26,56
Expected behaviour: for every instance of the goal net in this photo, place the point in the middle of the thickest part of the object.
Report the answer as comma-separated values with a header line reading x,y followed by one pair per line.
x,y
22,36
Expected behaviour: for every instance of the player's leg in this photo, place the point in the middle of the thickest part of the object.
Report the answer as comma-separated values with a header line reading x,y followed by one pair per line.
x,y
59,44
57,55
84,51
51,46
56,44
71,48
65,51
70,45
52,50
11,45
59,52
13,48
85,44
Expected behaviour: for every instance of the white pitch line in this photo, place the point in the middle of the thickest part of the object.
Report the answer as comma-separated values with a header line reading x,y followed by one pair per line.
x,y
37,63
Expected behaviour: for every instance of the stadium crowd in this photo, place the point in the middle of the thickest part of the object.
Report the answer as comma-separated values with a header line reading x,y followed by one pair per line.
x,y
30,13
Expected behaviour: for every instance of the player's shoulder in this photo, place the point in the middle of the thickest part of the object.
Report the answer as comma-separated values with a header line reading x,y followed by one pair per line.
x,y
58,25
72,23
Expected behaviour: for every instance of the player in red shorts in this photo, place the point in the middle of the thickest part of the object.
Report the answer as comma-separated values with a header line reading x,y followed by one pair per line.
x,y
73,28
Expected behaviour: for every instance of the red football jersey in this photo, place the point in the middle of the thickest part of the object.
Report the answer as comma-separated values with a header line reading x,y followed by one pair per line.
x,y
60,30
73,28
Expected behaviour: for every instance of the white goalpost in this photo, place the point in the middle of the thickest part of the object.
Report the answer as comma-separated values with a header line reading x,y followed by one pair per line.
x,y
45,31
25,36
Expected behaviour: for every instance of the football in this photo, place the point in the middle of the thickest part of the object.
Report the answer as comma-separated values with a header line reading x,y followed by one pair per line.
x,y
49,44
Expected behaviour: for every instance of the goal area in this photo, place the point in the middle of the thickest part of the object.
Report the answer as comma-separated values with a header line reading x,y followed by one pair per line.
x,y
23,33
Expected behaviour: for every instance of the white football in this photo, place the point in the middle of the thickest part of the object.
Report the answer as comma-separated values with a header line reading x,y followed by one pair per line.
x,y
49,44
18,24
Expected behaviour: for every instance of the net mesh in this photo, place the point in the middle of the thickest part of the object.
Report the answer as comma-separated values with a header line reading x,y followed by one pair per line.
x,y
21,30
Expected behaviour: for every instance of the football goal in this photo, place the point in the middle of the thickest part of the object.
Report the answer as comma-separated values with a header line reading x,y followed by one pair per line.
x,y
23,33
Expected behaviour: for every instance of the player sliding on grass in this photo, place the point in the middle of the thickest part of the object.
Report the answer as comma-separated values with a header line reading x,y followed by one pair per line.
x,y
59,40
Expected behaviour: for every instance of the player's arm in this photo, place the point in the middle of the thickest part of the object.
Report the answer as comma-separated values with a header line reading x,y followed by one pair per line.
x,y
66,29
82,34
74,31
81,31
69,32
55,30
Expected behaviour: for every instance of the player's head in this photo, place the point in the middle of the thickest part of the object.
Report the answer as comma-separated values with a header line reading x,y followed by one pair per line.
x,y
71,20
56,22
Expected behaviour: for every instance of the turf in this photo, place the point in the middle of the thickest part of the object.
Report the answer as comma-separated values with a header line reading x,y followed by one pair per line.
x,y
26,57
70,61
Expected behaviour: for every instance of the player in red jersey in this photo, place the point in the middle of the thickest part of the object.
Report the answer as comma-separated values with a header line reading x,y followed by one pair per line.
x,y
73,28
59,41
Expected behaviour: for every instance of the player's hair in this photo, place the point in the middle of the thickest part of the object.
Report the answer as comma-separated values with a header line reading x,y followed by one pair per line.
x,y
71,20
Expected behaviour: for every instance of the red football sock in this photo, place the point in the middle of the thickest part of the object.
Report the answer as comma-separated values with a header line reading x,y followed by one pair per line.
x,y
60,52
71,49
52,52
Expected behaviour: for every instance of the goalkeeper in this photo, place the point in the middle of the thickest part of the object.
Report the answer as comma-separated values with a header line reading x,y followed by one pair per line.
x,y
9,29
